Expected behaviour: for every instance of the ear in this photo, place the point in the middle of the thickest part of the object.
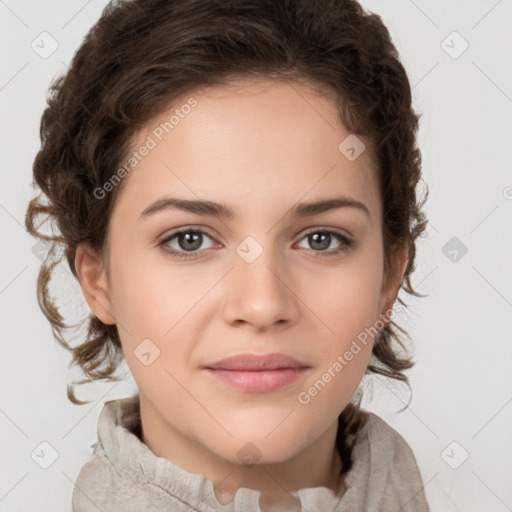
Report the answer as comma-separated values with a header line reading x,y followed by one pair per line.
x,y
90,268
398,260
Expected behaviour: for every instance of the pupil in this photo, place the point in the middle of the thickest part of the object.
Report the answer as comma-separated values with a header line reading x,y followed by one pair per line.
x,y
324,244
192,240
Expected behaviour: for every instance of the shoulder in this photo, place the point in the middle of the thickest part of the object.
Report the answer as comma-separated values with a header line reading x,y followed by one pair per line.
x,y
107,475
393,476
101,486
94,476
383,437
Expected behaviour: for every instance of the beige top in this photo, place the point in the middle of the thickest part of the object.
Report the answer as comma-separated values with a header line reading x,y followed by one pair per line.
x,y
125,475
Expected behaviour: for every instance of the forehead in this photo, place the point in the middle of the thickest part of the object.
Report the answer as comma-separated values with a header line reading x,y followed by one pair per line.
x,y
256,142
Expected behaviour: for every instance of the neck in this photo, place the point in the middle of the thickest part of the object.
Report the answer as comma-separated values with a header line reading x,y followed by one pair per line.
x,y
318,465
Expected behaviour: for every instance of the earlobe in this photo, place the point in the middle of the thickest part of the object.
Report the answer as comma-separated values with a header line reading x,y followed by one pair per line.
x,y
90,269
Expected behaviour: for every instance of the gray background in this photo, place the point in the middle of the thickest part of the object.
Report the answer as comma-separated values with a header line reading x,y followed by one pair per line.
x,y
462,390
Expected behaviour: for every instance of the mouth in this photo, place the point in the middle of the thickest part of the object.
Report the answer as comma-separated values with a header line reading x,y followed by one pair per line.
x,y
257,373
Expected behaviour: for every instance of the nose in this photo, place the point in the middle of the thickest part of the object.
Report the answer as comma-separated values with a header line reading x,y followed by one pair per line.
x,y
260,293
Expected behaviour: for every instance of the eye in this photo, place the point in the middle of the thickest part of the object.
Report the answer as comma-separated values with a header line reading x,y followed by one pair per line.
x,y
187,243
321,239
184,243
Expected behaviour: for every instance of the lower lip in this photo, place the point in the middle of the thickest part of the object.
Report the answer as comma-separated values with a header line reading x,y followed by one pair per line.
x,y
258,381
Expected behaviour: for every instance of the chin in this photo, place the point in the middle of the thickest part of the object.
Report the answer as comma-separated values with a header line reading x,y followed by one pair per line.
x,y
257,447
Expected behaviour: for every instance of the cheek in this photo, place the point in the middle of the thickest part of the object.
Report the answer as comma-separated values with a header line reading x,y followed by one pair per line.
x,y
346,300
162,303
151,306
151,295
347,307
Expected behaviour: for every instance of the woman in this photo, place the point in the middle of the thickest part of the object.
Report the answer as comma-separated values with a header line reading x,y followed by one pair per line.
x,y
235,188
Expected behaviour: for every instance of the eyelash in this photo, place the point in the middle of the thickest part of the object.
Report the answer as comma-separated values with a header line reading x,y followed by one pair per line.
x,y
346,243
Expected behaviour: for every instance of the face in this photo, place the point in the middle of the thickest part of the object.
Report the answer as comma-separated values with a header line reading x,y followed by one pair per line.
x,y
272,277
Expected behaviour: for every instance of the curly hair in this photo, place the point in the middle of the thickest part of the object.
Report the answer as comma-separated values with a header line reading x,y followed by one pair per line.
x,y
142,55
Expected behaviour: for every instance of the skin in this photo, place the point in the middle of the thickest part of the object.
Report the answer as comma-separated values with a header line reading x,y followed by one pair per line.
x,y
258,147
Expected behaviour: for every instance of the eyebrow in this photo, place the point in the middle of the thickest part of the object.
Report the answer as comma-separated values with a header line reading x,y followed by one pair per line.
x,y
214,209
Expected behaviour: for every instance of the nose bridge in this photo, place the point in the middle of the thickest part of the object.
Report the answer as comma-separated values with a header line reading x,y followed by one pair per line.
x,y
260,294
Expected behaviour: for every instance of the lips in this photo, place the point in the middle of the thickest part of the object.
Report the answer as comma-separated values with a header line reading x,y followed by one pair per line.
x,y
257,373
254,362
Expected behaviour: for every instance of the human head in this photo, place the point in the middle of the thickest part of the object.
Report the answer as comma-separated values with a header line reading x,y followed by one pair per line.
x,y
141,58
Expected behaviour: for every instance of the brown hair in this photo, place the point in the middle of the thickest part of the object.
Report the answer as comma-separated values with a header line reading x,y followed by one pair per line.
x,y
143,54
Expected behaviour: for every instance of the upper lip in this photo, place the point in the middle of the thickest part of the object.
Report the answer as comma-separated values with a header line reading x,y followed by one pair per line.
x,y
255,362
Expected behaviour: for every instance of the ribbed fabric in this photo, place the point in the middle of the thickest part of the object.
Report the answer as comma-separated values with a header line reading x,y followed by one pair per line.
x,y
125,475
